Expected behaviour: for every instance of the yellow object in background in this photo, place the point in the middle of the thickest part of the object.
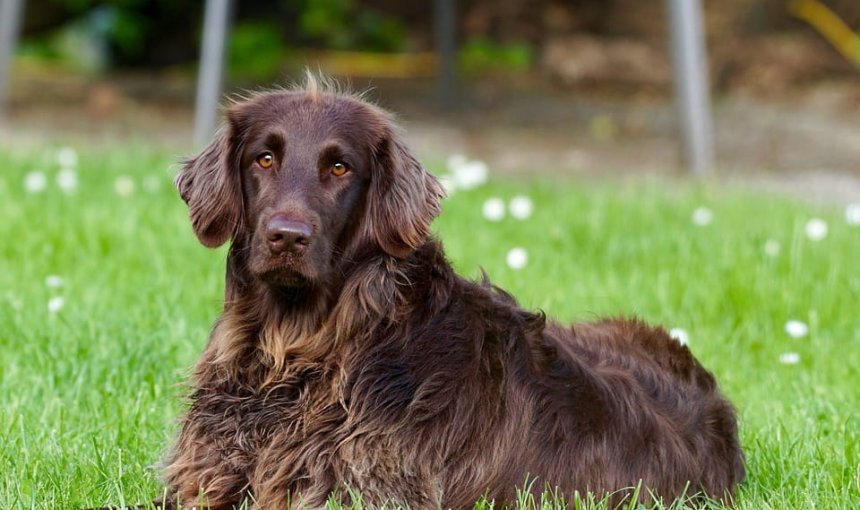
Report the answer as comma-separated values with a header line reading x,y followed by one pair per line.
x,y
829,25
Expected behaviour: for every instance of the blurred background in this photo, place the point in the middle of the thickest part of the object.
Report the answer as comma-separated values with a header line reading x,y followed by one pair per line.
x,y
583,87
565,127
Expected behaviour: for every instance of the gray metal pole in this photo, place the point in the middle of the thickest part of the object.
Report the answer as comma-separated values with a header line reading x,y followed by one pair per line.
x,y
10,17
210,74
689,62
445,32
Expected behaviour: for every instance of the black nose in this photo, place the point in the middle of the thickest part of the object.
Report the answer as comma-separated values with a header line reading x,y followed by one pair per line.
x,y
286,235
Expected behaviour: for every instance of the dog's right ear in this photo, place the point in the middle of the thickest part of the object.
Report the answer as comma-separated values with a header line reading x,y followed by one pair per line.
x,y
209,184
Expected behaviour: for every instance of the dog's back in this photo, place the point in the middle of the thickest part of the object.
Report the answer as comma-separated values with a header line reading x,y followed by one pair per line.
x,y
594,406
617,402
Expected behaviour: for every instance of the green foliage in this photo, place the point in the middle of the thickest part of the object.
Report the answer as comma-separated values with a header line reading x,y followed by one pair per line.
x,y
340,24
480,55
128,31
255,52
97,34
91,392
39,48
327,21
380,32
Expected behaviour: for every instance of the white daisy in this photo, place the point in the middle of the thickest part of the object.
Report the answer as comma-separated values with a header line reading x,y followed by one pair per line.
x,y
517,258
521,207
772,247
702,216
35,182
67,179
816,229
852,214
789,358
680,335
470,174
15,303
494,209
67,157
124,186
796,329
456,161
55,304
53,281
448,184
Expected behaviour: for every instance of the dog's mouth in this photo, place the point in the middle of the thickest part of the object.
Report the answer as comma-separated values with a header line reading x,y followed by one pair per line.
x,y
296,268
284,272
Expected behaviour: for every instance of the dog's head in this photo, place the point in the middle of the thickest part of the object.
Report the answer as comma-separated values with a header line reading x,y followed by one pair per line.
x,y
305,178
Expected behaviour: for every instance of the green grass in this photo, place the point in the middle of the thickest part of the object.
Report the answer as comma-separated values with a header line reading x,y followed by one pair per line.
x,y
88,395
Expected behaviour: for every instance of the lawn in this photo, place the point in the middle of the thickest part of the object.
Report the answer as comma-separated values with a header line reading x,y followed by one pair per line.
x,y
106,299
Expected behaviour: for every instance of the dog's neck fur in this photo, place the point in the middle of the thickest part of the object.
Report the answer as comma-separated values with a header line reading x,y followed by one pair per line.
x,y
279,325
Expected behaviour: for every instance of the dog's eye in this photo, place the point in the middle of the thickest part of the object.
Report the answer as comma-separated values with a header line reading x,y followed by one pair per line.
x,y
266,160
339,169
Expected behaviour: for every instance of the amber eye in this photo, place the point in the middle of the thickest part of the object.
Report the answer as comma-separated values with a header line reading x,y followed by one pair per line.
x,y
266,160
339,169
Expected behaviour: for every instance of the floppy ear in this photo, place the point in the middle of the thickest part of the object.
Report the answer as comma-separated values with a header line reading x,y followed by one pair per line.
x,y
209,184
402,200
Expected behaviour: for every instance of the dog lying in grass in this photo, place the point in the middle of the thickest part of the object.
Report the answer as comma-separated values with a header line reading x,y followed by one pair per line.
x,y
351,359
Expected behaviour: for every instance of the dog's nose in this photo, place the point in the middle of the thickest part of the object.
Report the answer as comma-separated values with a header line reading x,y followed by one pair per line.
x,y
286,235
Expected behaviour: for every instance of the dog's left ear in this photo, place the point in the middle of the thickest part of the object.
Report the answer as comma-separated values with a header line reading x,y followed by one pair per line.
x,y
402,200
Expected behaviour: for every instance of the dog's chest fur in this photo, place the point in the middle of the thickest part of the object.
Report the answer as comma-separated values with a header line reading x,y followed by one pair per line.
x,y
319,426
292,423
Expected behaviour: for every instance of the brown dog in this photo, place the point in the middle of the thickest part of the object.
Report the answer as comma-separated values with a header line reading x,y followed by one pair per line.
x,y
351,357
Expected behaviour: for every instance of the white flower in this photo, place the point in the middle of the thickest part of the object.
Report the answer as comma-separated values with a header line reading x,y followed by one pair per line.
x,y
852,214
521,207
470,175
448,184
67,157
67,179
789,358
771,247
15,303
494,209
578,158
53,281
151,183
702,216
456,161
55,304
517,258
124,186
796,329
35,182
465,173
816,229
680,335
